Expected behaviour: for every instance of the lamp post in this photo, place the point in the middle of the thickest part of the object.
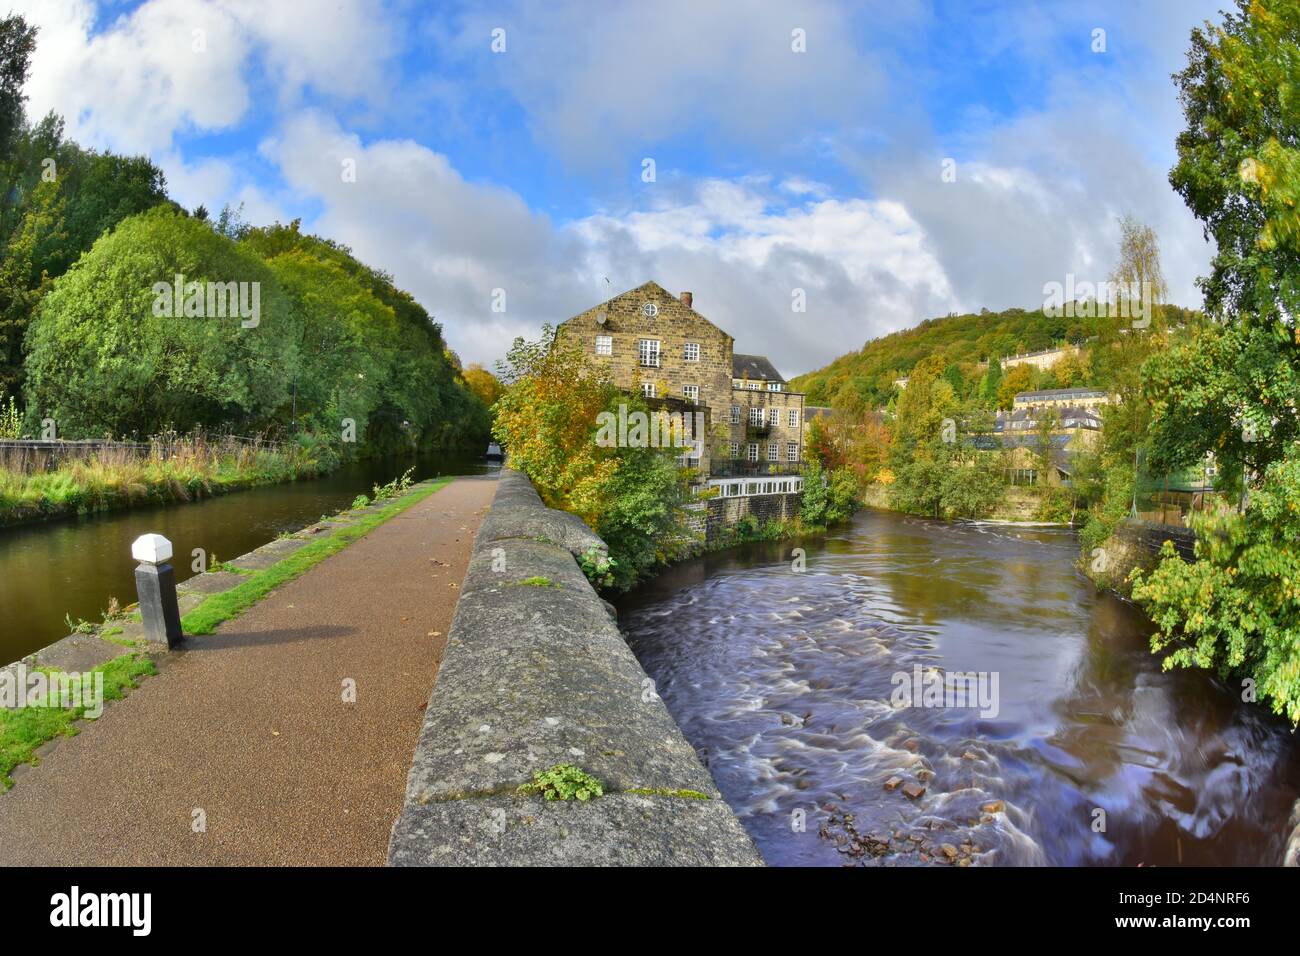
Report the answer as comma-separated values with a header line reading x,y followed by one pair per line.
x,y
155,583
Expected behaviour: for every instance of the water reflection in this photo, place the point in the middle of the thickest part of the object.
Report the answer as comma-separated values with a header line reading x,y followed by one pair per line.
x,y
783,681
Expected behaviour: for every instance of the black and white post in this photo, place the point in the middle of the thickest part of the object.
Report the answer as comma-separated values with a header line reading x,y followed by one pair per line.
x,y
155,583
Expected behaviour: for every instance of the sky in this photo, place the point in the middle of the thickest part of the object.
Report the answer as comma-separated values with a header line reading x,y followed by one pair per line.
x,y
882,162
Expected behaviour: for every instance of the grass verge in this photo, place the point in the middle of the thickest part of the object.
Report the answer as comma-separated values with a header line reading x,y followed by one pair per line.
x,y
23,729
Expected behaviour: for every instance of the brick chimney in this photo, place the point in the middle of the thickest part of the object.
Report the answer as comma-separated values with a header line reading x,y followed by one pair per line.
x,y
686,299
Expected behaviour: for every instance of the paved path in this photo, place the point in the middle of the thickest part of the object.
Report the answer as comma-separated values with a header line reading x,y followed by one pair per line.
x,y
249,725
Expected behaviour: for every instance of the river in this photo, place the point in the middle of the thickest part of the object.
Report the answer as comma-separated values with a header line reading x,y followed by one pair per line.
x,y
73,566
783,681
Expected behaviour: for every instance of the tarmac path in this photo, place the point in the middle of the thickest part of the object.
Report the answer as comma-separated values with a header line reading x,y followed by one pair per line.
x,y
247,730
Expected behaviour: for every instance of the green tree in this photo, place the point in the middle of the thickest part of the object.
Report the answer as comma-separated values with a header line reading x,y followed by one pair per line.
x,y
1236,609
102,362
1232,389
549,418
17,43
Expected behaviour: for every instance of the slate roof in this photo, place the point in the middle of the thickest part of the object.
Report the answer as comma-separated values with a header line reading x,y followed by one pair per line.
x,y
754,367
1068,416
1059,393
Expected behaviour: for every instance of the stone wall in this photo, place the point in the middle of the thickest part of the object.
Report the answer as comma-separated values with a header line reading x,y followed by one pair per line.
x,y
536,674
723,513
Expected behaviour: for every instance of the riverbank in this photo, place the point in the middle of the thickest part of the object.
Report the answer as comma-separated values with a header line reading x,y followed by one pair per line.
x,y
1019,506
284,737
116,648
188,470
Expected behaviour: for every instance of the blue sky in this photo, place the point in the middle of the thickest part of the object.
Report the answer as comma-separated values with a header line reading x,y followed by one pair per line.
x,y
776,169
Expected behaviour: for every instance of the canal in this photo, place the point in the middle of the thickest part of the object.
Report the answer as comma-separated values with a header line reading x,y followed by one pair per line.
x,y
72,567
785,681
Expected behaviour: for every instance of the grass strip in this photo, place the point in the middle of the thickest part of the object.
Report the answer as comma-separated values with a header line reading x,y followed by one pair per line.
x,y
23,729
218,608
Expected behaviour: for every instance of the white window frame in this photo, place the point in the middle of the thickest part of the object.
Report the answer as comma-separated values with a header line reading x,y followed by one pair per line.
x,y
755,386
647,353
794,418
604,345
752,452
648,389
774,386
774,451
735,414
774,416
691,393
792,451
691,352
735,449
756,415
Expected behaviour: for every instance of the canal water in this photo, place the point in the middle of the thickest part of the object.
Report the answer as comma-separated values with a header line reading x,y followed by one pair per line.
x,y
73,566
786,683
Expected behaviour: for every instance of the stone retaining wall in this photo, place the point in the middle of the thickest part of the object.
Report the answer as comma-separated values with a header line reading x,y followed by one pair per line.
x,y
536,674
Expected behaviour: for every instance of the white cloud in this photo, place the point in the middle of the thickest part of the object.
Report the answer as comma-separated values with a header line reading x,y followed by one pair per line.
x,y
597,80
865,266
133,82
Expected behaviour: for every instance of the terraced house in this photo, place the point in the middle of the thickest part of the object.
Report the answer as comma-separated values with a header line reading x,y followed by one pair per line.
x,y
656,343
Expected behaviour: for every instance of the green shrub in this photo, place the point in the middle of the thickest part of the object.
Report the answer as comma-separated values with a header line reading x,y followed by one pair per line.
x,y
564,782
598,567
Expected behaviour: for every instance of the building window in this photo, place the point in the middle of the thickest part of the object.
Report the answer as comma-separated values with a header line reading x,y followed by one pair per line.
x,y
791,451
774,386
755,386
755,415
773,451
794,418
752,451
692,393
774,416
735,416
737,383
648,389
735,449
604,345
691,351
647,351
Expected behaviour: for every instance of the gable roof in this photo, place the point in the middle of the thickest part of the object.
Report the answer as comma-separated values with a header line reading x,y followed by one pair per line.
x,y
654,291
754,367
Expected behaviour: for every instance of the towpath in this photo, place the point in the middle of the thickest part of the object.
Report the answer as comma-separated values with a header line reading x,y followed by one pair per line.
x,y
243,750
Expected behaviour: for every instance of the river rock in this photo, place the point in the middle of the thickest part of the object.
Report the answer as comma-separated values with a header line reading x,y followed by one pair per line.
x,y
994,806
914,791
949,851
893,783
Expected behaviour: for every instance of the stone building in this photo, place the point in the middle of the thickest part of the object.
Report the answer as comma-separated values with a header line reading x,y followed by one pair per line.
x,y
1086,398
655,343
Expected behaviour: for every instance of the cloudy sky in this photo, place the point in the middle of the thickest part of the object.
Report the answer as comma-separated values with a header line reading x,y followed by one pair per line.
x,y
508,146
